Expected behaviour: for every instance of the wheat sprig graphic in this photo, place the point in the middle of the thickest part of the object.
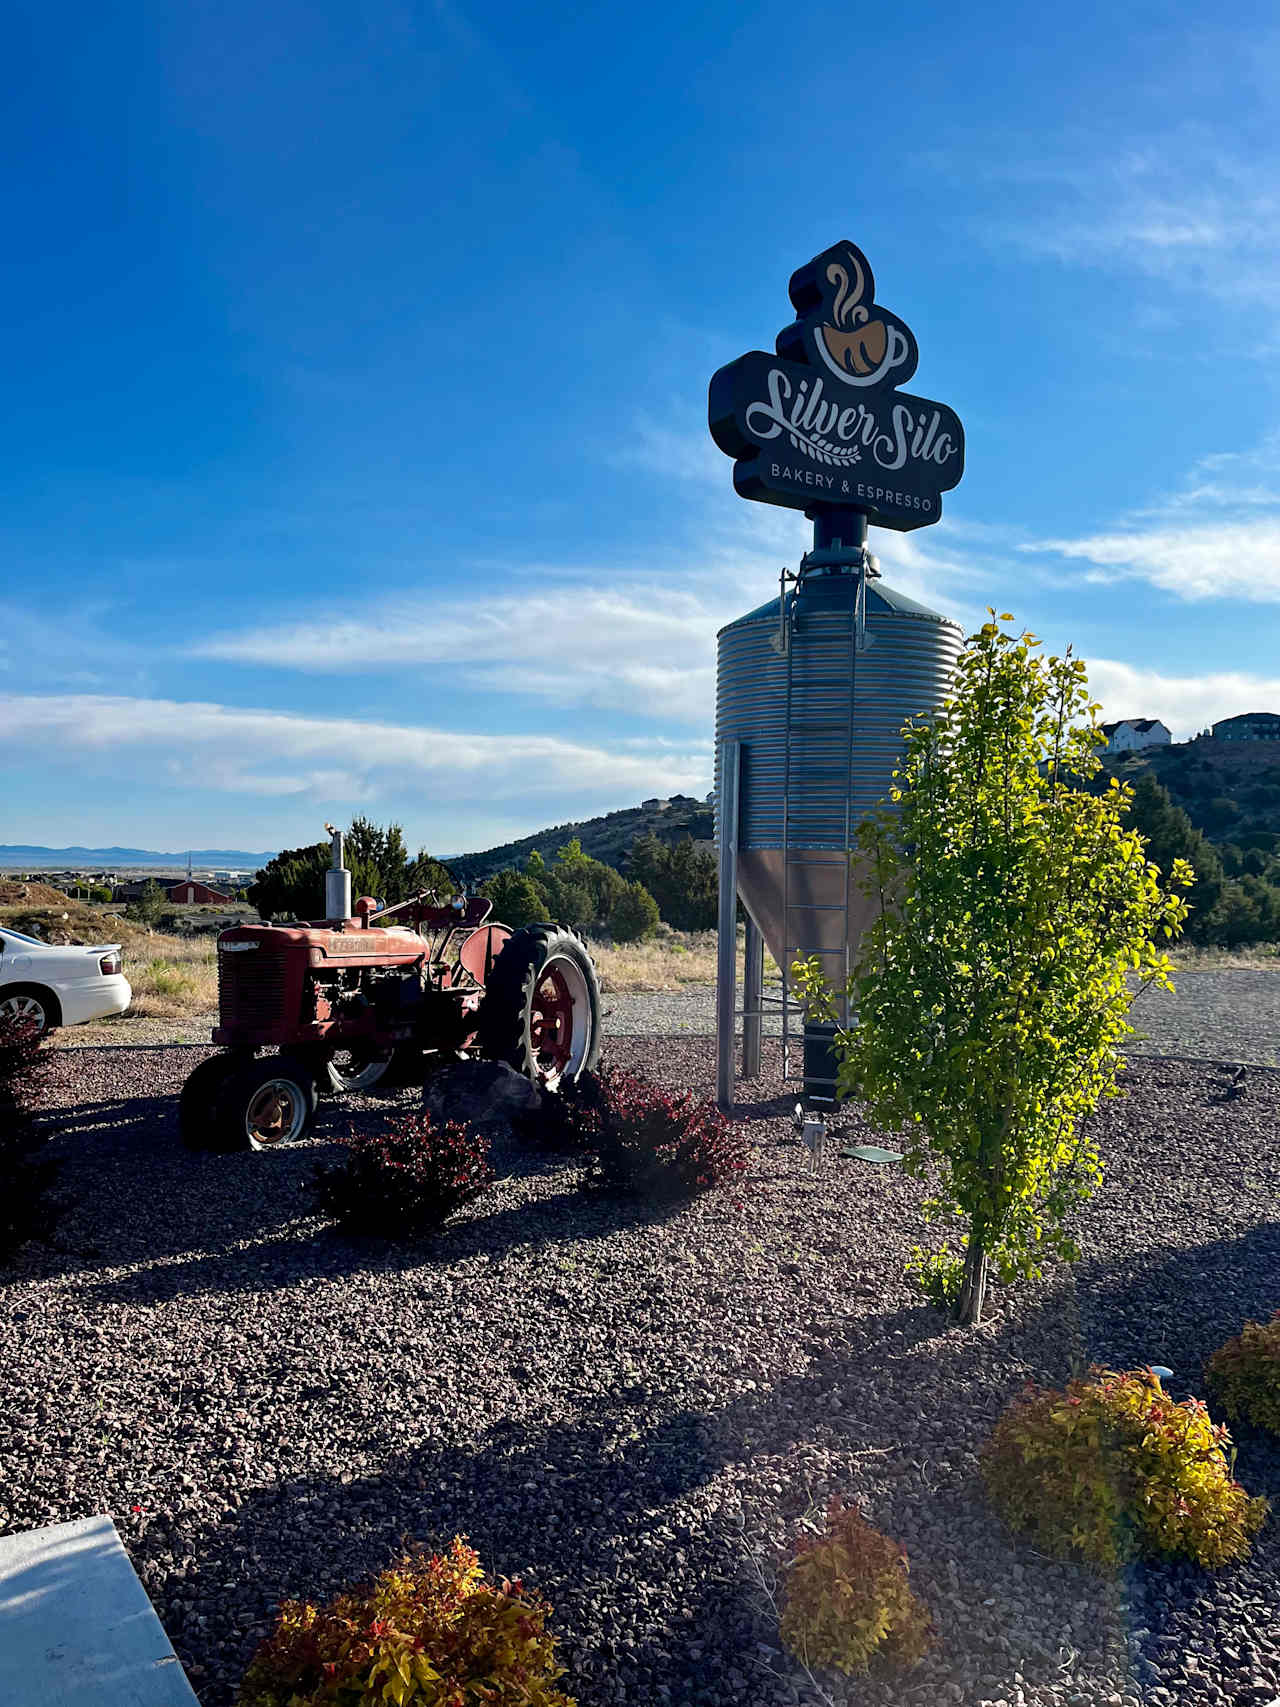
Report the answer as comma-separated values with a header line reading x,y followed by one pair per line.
x,y
822,450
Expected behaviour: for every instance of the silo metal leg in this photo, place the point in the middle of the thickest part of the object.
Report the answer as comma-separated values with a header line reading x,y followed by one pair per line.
x,y
727,938
752,989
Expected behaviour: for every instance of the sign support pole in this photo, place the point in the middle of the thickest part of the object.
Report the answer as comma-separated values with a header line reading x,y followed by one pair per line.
x,y
727,933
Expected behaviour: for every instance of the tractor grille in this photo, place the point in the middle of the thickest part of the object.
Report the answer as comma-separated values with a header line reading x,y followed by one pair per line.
x,y
251,990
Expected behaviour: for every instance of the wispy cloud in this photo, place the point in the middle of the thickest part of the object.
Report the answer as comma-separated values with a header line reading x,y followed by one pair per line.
x,y
1185,704
1240,562
640,640
642,647
1232,549
1189,208
262,752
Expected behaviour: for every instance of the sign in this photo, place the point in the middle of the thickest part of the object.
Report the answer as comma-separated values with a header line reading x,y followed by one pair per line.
x,y
822,424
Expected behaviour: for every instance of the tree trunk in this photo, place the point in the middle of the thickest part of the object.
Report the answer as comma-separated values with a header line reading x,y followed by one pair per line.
x,y
973,1288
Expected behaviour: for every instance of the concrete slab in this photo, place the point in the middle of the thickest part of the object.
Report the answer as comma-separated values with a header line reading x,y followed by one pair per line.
x,y
76,1625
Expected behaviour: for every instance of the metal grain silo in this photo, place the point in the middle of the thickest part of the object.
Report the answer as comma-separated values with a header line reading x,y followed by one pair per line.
x,y
812,691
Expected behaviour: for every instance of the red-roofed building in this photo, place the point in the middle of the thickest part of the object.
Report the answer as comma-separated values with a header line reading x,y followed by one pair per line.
x,y
192,893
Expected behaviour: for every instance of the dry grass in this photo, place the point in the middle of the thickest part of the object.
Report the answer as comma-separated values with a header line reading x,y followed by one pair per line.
x,y
72,921
670,961
673,960
174,977
1259,956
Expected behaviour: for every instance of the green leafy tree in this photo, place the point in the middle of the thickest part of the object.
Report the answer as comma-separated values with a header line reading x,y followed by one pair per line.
x,y
635,914
572,902
517,899
991,998
583,890
579,890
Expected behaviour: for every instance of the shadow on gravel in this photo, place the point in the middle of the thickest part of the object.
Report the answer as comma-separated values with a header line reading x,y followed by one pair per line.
x,y
614,1514
325,1253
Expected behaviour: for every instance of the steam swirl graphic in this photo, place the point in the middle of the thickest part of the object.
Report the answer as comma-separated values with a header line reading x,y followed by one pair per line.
x,y
847,311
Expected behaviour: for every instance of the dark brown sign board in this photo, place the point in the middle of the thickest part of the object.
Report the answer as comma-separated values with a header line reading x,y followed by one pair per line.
x,y
821,424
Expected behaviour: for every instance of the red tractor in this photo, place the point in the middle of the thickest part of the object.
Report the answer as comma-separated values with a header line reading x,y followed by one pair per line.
x,y
337,1000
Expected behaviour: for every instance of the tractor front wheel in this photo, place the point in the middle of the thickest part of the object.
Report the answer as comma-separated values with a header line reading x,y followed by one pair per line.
x,y
198,1101
269,1102
541,1008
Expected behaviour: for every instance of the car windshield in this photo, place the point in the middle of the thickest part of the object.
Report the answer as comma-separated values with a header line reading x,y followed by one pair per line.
x,y
21,936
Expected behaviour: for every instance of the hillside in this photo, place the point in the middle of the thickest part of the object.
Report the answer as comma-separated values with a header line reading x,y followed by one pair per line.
x,y
606,838
1229,789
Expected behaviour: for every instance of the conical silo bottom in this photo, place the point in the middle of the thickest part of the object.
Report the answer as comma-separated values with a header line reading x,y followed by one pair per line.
x,y
807,915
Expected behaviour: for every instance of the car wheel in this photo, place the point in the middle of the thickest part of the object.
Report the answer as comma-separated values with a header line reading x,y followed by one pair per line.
x,y
30,1006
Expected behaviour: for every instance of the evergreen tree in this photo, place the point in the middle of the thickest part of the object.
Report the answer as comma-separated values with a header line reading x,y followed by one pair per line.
x,y
1170,835
635,914
292,884
683,879
149,906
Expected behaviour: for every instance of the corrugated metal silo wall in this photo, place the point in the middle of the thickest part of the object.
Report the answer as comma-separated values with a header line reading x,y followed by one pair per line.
x,y
905,670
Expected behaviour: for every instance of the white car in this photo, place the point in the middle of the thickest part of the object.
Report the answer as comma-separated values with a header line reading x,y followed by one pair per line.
x,y
59,985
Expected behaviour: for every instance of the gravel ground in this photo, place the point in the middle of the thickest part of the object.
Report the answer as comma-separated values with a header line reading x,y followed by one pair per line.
x,y
1231,1015
627,1408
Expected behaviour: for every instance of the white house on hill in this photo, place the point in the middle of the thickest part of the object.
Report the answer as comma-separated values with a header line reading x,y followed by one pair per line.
x,y
1131,734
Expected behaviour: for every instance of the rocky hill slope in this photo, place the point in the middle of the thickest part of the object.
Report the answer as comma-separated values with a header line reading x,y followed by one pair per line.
x,y
606,838
1229,789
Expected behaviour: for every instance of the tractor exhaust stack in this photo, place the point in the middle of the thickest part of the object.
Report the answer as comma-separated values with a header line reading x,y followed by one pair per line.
x,y
337,882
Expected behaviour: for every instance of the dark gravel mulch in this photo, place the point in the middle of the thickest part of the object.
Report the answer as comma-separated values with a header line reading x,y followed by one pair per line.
x,y
626,1407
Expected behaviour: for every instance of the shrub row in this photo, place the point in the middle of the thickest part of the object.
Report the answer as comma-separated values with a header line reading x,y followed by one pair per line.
x,y
1110,1468
636,1139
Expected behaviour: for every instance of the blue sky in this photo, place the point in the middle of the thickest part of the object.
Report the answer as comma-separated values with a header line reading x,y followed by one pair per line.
x,y
354,449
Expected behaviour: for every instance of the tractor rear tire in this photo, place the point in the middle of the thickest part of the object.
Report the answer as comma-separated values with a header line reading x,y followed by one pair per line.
x,y
198,1101
268,1102
357,1069
541,1007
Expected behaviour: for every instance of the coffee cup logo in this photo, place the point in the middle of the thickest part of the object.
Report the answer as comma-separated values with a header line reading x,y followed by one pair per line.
x,y
852,343
823,424
860,343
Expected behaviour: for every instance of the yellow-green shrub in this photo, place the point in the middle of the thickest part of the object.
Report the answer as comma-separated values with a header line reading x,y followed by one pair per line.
x,y
1245,1375
1113,1467
428,1632
847,1598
